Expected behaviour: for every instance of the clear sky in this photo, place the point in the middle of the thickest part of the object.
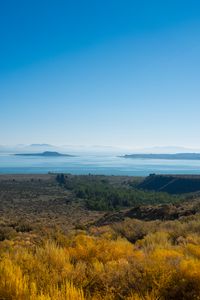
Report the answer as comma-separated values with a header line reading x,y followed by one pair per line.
x,y
100,72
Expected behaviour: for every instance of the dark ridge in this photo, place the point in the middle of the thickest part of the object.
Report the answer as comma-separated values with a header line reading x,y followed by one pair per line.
x,y
150,213
172,184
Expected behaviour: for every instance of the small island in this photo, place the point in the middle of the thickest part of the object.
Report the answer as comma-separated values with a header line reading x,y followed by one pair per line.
x,y
176,156
44,154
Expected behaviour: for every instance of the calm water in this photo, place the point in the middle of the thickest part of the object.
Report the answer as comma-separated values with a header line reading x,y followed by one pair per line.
x,y
96,164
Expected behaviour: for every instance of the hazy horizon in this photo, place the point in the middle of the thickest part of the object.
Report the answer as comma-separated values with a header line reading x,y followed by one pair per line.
x,y
98,149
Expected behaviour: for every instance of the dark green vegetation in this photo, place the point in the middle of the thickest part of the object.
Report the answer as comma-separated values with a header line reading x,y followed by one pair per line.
x,y
183,156
44,154
173,184
99,193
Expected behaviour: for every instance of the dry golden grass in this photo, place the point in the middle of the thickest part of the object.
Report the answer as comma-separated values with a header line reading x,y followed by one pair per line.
x,y
101,267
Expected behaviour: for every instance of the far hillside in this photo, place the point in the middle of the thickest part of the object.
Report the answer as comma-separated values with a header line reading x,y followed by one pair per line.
x,y
172,184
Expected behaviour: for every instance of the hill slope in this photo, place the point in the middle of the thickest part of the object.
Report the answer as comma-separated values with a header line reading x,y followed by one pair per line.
x,y
173,184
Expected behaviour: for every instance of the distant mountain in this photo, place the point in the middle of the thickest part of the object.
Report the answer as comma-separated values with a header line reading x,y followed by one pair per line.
x,y
44,154
26,148
41,145
178,156
92,149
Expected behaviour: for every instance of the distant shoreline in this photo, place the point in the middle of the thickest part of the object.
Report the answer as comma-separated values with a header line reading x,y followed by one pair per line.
x,y
176,156
44,154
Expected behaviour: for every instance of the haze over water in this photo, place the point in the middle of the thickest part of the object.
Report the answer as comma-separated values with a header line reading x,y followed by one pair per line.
x,y
105,164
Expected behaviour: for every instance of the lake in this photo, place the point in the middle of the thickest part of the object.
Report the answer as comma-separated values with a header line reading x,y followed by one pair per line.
x,y
95,164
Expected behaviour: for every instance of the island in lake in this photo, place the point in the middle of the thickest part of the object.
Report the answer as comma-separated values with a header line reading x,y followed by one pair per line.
x,y
178,156
44,154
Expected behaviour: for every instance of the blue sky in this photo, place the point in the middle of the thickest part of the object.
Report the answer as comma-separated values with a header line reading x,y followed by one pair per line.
x,y
119,73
